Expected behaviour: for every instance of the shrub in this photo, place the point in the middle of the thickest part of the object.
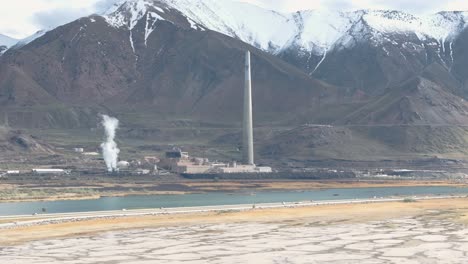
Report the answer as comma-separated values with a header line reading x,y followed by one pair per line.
x,y
409,200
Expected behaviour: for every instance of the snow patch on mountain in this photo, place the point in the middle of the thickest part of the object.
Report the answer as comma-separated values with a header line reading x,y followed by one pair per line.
x,y
127,13
151,20
27,40
262,28
320,30
440,26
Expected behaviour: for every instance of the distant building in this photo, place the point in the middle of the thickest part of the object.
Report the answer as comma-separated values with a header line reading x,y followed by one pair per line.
x,y
264,169
142,172
173,154
78,150
181,162
246,169
177,154
151,159
123,164
50,171
91,153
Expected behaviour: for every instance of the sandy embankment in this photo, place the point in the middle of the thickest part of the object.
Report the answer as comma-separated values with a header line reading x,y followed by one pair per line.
x,y
456,208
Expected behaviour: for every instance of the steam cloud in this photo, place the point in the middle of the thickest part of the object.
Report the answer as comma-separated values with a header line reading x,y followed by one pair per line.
x,y
109,147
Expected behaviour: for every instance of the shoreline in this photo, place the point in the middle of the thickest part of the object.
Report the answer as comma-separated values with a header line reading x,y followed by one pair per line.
x,y
235,186
90,197
32,228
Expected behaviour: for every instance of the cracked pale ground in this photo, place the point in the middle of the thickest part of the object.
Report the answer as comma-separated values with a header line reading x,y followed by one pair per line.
x,y
422,239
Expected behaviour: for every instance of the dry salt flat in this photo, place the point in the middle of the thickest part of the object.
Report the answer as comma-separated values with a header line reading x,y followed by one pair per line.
x,y
407,240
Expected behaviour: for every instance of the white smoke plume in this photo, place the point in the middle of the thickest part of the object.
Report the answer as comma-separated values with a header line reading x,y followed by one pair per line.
x,y
109,147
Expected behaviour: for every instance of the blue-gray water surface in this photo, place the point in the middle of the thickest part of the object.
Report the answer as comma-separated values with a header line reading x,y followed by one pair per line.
x,y
221,198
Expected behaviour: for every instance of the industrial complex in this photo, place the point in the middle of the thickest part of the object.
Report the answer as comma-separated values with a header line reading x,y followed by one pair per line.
x,y
174,161
181,162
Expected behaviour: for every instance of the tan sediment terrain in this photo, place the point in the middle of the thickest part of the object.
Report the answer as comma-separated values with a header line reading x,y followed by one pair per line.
x,y
324,214
430,231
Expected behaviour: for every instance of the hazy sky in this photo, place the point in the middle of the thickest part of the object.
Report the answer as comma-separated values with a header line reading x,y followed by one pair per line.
x,y
21,18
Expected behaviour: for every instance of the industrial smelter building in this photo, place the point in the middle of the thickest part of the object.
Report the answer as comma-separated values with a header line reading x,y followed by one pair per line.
x,y
181,162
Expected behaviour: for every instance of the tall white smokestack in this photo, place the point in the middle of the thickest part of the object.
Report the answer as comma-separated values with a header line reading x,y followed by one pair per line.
x,y
247,134
110,151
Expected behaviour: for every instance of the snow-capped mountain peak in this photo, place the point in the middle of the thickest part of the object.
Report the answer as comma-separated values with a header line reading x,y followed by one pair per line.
x,y
314,32
247,22
128,13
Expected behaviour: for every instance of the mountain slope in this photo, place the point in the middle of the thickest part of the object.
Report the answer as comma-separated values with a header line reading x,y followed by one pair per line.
x,y
417,101
173,70
13,142
390,45
315,40
382,49
390,82
375,49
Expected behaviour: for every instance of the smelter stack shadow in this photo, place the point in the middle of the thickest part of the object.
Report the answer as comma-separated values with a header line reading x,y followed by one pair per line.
x,y
247,128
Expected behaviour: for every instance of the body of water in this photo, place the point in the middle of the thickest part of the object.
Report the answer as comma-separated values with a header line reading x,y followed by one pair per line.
x,y
207,199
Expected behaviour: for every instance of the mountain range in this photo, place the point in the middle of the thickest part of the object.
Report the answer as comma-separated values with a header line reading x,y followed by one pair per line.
x,y
383,83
